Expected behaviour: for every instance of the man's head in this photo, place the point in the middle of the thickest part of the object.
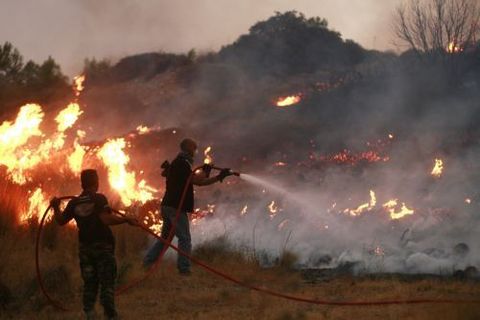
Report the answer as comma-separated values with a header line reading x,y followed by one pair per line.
x,y
188,146
89,178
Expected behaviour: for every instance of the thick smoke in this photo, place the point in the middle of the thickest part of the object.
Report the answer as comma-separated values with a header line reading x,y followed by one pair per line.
x,y
222,103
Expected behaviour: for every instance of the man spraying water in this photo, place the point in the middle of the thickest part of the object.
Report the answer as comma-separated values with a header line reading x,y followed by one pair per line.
x,y
177,174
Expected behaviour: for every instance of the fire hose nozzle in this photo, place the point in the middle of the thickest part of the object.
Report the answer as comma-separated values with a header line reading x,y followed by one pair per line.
x,y
235,173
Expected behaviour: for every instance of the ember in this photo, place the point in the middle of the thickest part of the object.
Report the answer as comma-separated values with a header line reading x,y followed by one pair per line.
x,y
288,101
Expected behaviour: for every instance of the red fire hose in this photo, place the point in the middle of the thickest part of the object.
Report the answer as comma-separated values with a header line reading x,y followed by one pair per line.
x,y
168,243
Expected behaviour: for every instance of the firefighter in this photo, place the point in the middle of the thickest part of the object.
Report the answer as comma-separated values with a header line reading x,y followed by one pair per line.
x,y
96,242
177,175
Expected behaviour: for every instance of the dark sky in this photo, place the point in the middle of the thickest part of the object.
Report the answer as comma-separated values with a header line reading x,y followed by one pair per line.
x,y
71,30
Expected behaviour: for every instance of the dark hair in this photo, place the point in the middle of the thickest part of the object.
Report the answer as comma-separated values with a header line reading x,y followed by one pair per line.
x,y
89,178
185,142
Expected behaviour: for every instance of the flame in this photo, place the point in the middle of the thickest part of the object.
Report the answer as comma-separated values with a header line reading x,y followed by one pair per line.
x,y
363,207
437,168
402,212
68,116
121,180
208,159
75,159
468,201
273,209
78,84
453,47
37,202
288,101
14,136
143,129
244,210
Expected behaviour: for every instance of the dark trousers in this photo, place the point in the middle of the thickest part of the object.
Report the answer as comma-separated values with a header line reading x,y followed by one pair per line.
x,y
182,231
99,270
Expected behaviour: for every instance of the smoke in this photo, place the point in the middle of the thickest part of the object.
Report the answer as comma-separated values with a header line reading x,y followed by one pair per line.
x,y
72,31
305,204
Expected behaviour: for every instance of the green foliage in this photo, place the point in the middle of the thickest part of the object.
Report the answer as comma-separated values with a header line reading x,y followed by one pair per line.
x,y
21,83
96,69
289,43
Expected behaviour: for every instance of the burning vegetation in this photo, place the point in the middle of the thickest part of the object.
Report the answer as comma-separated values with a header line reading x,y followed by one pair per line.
x,y
348,177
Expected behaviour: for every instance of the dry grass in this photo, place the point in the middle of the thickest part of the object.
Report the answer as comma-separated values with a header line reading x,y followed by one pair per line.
x,y
205,296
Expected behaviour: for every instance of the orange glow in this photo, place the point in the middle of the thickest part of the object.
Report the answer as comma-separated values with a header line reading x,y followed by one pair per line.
x,y
363,207
37,203
78,84
208,159
14,137
288,101
391,207
121,180
273,209
75,159
143,129
453,47
244,210
68,116
437,168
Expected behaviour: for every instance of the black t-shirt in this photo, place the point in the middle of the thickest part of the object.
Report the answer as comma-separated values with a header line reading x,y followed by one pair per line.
x,y
86,210
178,174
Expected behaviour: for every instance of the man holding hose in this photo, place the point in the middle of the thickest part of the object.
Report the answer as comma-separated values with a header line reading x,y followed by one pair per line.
x,y
177,175
97,244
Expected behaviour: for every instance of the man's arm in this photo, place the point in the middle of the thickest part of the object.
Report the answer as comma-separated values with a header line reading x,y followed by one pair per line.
x,y
60,217
201,179
110,219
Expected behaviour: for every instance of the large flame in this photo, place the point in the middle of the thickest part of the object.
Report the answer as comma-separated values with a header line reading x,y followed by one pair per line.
x,y
68,116
123,181
37,203
14,136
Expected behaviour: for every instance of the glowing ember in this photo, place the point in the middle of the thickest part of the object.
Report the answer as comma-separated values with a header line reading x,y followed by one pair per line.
x,y
143,129
288,101
363,207
244,210
208,159
78,84
453,47
403,211
437,168
124,182
273,209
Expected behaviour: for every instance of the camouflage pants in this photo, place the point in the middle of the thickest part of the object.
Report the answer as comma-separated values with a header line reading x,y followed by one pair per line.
x,y
99,269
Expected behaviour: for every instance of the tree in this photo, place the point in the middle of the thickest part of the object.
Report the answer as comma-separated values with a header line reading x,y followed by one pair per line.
x,y
438,27
11,61
289,43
